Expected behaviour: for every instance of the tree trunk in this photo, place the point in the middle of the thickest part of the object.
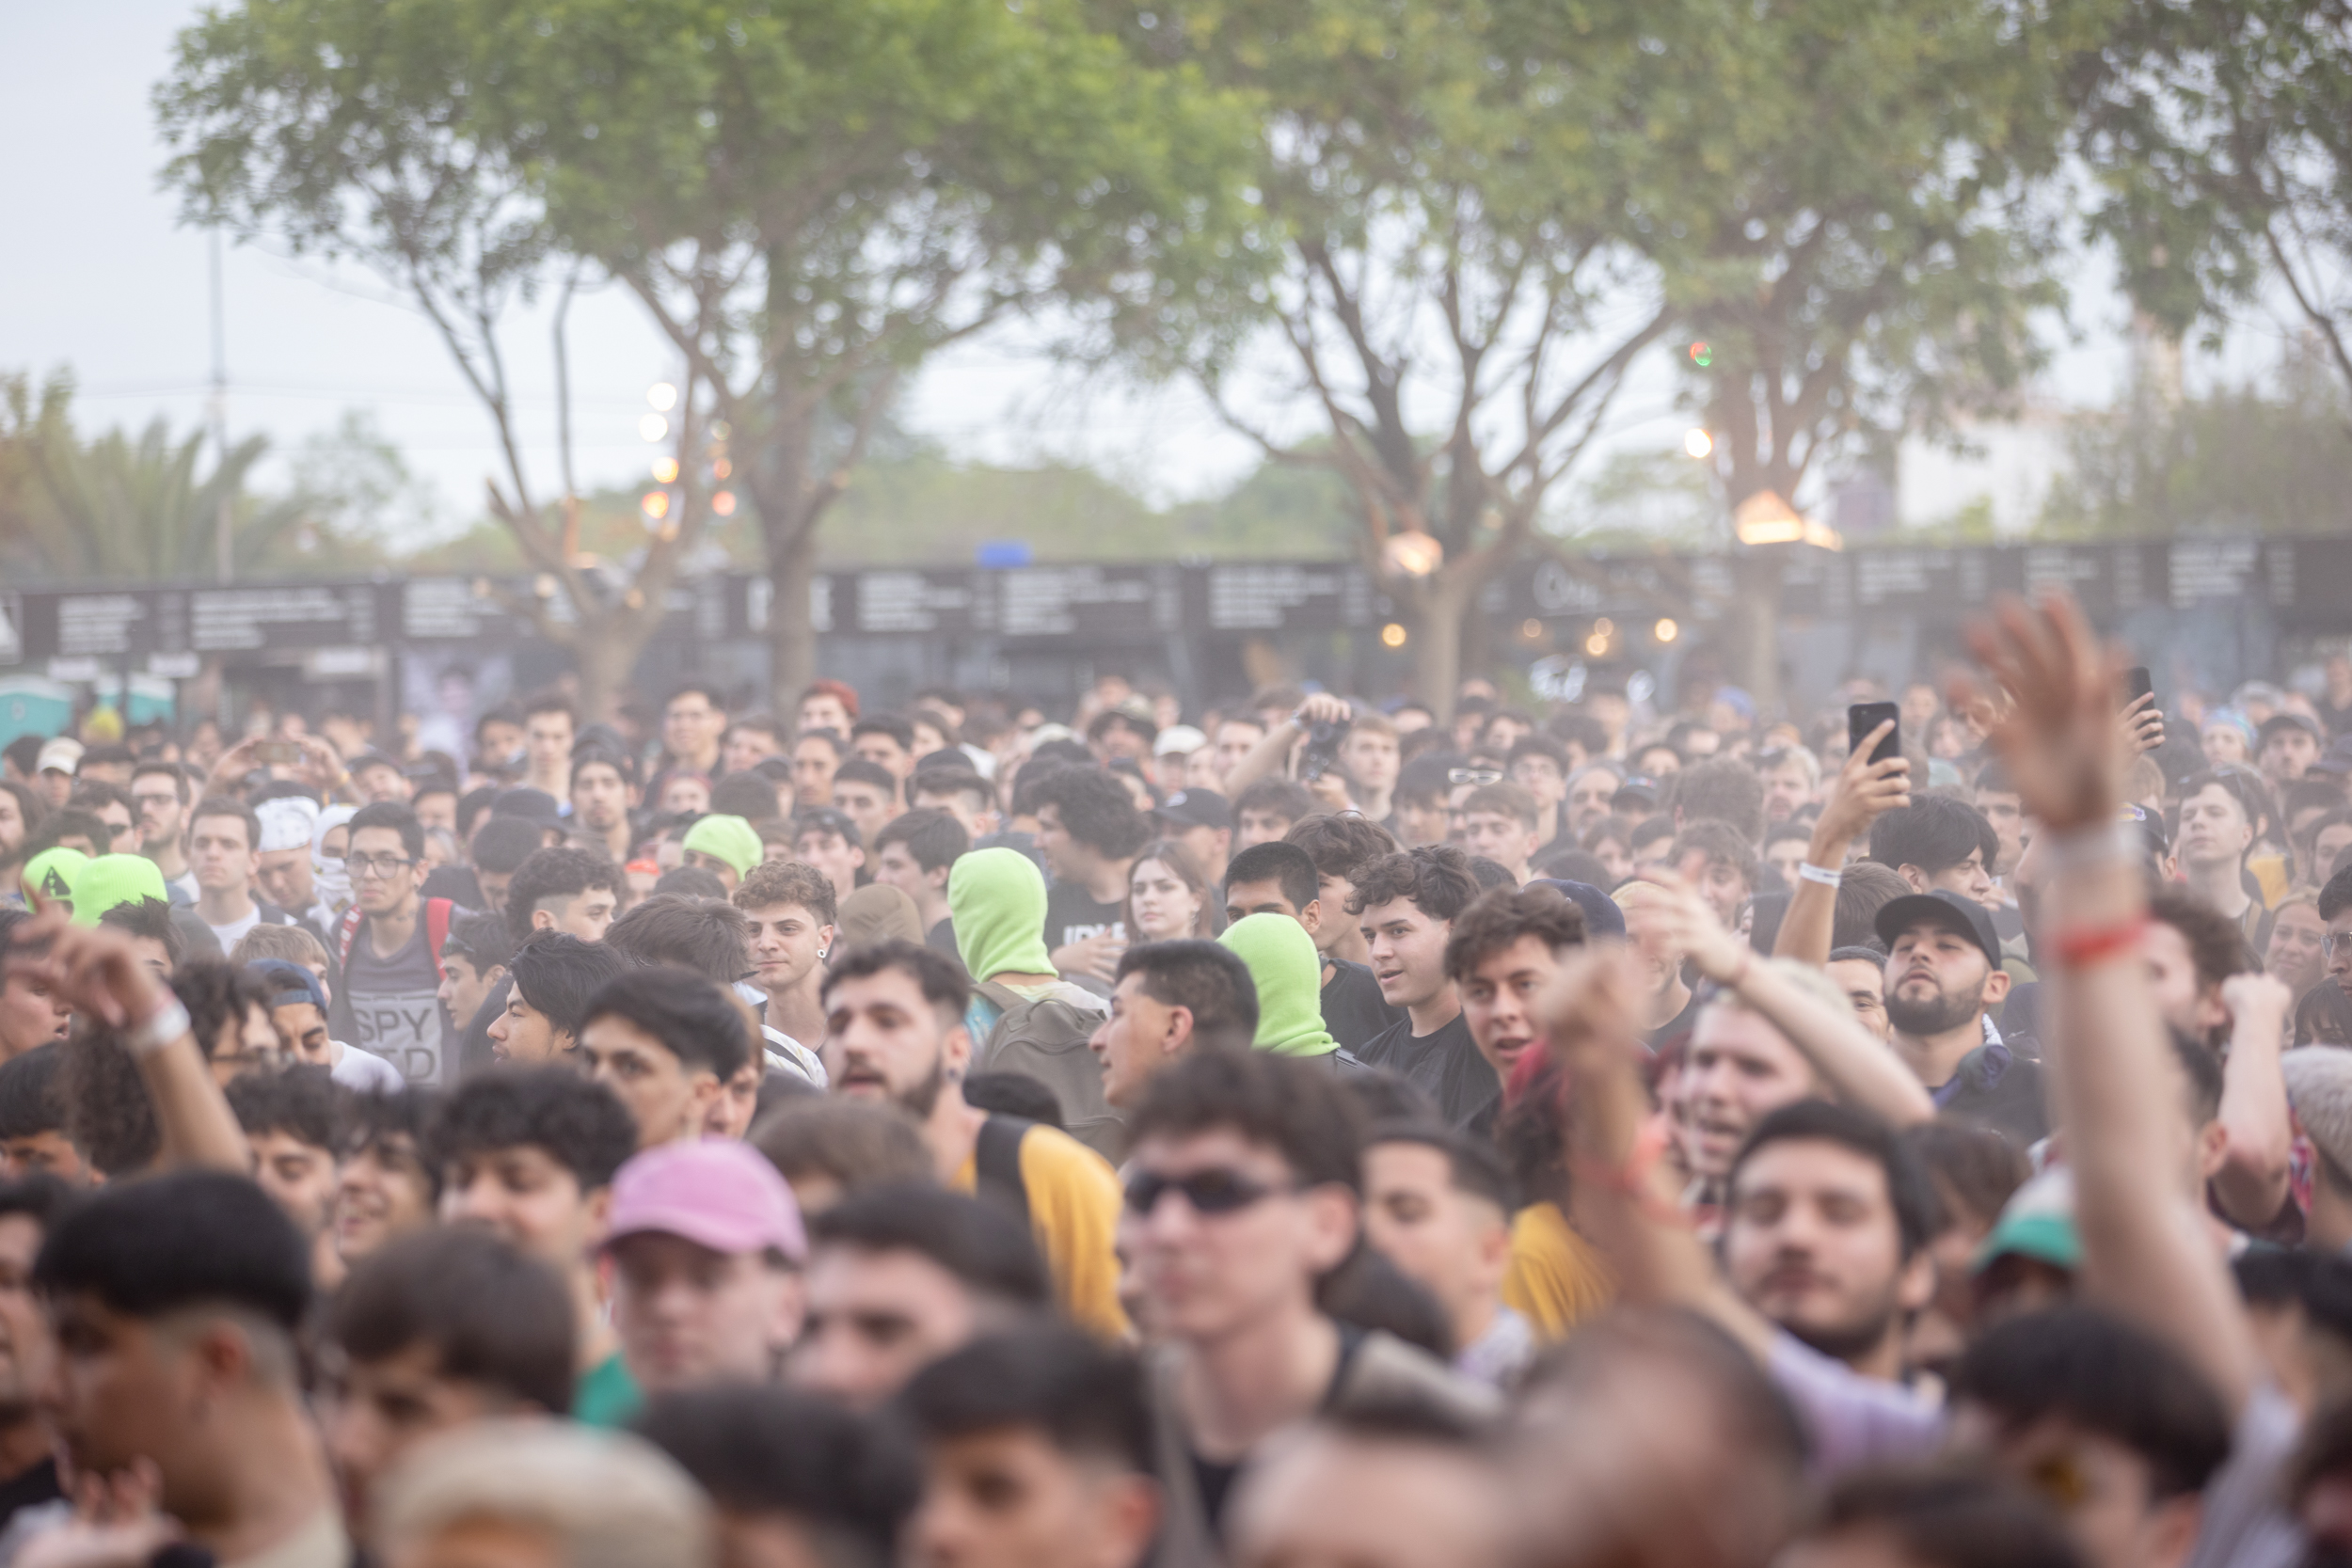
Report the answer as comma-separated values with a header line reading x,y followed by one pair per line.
x,y
791,631
1754,643
605,663
1436,613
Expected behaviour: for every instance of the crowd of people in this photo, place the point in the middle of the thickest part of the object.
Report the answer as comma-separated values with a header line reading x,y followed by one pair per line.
x,y
1305,1134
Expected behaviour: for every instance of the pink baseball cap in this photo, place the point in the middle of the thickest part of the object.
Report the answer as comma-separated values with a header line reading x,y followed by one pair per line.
x,y
717,1194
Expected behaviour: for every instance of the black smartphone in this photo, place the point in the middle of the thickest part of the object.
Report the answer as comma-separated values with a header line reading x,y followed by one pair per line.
x,y
1862,718
2136,683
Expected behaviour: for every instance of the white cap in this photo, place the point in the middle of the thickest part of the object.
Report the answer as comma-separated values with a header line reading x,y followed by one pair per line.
x,y
63,754
286,823
1178,740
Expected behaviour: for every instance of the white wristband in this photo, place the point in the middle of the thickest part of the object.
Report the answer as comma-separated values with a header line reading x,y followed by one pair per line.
x,y
168,1025
2099,846
1813,873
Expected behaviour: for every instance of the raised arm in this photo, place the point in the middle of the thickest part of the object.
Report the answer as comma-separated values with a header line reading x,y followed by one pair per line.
x,y
1856,1065
1272,756
2253,1182
1864,791
2117,1092
1622,1194
97,973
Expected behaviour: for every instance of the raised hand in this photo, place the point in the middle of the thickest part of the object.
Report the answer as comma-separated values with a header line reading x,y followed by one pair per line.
x,y
1593,1009
1682,922
2057,738
92,969
2142,724
1864,791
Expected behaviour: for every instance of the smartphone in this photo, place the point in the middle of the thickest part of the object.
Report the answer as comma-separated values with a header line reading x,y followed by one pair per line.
x,y
1862,718
2136,683
279,753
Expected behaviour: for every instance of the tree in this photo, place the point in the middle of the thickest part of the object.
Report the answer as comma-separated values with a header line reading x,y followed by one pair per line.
x,y
812,197
356,129
131,508
1445,198
2220,134
1863,237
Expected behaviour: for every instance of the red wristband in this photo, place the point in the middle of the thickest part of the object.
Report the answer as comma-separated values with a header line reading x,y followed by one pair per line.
x,y
2081,949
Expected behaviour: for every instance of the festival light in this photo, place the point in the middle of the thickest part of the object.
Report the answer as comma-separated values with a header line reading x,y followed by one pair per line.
x,y
662,396
1697,442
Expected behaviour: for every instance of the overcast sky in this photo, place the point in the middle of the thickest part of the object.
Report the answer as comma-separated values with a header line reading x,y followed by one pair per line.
x,y
98,277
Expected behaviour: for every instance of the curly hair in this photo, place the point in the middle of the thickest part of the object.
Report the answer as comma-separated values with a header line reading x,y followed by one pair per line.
x,y
794,882
1340,843
1096,810
108,1114
578,1122
1500,918
1436,878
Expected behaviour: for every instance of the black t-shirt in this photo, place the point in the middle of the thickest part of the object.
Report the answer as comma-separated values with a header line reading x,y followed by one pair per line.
x,y
1072,915
1676,1026
942,939
29,1488
1351,1008
1445,1066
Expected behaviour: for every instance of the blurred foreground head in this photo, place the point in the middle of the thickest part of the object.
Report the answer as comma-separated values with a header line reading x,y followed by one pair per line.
x,y
539,1494
1656,1441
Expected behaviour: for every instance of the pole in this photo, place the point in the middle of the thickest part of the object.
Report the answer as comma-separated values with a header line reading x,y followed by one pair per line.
x,y
224,562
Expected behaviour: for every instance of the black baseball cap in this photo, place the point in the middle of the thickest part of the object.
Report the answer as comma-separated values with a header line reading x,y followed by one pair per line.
x,y
1943,908
1196,808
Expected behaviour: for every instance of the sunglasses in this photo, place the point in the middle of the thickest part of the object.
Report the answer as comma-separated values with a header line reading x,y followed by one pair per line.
x,y
1215,1191
1473,775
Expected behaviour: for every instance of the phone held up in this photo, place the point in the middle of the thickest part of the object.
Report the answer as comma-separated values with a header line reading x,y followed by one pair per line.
x,y
1862,718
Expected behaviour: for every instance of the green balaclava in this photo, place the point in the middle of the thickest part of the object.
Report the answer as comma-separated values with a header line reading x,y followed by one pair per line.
x,y
1282,960
112,879
996,898
726,839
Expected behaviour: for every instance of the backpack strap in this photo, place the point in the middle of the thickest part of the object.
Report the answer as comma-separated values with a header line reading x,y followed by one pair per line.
x,y
346,932
437,918
997,1165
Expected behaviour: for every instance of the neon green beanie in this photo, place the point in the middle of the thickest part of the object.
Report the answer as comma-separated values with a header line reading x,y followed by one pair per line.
x,y
996,897
53,874
112,879
726,839
1282,960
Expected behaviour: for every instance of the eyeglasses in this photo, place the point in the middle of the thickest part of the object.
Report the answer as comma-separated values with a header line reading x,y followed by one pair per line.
x,y
376,865
1215,1191
1473,775
2335,942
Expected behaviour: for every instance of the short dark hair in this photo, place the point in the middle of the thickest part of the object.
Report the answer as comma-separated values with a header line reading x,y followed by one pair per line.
x,y
1973,1168
1282,797
1281,862
2336,895
1501,917
1551,750
502,843
150,918
749,795
1935,833
1291,1106
696,885
1086,1398
795,883
490,1315
29,1105
939,978
1865,888
1472,1165
303,1102
765,1448
708,936
859,771
180,1240
400,820
942,779
1909,1194
108,1117
695,1019
484,941
982,1245
2217,947
556,974
373,1118
1340,843
854,1143
934,837
172,770
2105,1375
550,702
216,994
1723,790
889,725
1096,810
1504,798
578,1122
225,805
1435,878
1722,844
2241,784
703,688
1207,978
555,873
1950,1517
